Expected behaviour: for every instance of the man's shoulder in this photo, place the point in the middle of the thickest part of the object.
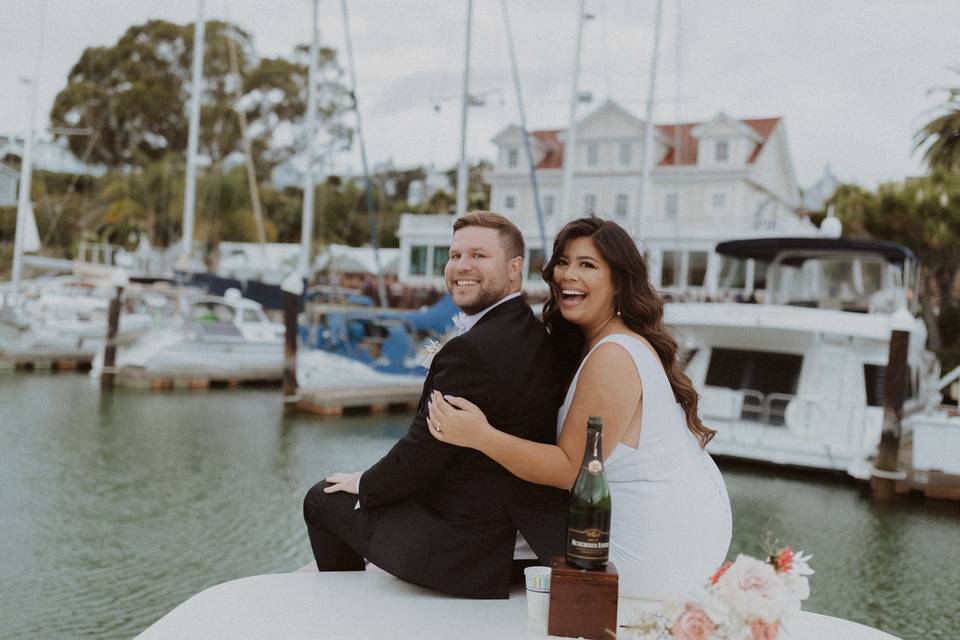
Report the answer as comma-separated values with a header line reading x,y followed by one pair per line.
x,y
514,323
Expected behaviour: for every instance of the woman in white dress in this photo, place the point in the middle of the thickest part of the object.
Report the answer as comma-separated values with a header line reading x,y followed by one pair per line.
x,y
671,522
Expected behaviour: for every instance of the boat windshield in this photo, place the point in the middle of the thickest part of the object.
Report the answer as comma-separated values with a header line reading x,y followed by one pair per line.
x,y
861,283
212,312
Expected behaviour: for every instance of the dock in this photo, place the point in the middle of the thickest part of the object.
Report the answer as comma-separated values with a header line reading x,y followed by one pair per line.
x,y
397,397
931,483
44,362
170,379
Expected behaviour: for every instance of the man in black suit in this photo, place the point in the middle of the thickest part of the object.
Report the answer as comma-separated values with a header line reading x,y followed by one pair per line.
x,y
442,516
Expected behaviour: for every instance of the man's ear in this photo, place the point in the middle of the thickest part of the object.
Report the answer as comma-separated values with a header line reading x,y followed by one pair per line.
x,y
516,268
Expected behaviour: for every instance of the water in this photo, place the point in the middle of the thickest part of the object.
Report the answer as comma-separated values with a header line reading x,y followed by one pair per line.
x,y
116,508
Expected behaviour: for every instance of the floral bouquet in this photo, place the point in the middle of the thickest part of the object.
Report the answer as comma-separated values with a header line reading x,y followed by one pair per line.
x,y
747,599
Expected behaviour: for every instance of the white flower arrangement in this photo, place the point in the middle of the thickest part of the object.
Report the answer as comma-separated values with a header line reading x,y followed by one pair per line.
x,y
747,599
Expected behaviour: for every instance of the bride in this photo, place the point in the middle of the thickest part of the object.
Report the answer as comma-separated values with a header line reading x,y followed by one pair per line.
x,y
671,522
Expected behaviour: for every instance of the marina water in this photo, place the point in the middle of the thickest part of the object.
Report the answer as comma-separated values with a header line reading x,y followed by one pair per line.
x,y
115,508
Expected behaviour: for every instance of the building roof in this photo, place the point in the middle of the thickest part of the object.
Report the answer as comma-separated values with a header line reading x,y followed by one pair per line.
x,y
550,142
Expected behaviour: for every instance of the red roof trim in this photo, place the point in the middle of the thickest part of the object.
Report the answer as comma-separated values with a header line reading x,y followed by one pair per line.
x,y
549,141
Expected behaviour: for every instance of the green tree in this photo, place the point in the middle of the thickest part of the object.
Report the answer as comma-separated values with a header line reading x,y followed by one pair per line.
x,y
940,138
134,96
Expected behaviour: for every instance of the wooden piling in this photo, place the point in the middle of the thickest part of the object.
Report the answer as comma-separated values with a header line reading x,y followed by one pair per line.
x,y
292,287
110,349
885,472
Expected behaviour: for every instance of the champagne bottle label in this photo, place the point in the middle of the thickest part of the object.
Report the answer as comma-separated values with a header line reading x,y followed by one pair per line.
x,y
591,544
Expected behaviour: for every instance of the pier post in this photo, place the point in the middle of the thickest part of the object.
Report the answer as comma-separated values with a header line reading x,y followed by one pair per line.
x,y
292,287
885,474
110,348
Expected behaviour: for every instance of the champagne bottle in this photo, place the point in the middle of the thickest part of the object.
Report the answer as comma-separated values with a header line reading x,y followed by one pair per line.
x,y
588,520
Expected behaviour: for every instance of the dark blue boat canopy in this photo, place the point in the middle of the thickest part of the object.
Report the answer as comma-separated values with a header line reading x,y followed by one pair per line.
x,y
766,249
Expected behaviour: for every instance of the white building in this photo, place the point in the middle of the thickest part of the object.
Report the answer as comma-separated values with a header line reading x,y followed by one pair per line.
x,y
51,156
711,181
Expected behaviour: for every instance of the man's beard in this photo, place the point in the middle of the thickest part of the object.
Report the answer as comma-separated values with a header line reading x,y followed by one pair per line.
x,y
484,299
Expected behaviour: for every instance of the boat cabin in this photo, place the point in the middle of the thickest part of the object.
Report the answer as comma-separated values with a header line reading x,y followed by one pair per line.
x,y
862,276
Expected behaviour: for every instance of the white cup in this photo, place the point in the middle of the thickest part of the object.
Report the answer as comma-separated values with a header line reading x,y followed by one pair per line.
x,y
538,599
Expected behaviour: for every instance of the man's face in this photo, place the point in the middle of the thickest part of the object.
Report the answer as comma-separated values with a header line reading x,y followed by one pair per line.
x,y
479,273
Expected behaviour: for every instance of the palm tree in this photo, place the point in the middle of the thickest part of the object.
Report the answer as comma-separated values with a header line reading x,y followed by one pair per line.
x,y
941,136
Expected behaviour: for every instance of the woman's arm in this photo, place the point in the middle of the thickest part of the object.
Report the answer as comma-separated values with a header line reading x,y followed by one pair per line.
x,y
608,386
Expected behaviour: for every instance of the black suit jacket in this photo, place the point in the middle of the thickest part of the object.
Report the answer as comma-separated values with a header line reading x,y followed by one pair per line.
x,y
445,516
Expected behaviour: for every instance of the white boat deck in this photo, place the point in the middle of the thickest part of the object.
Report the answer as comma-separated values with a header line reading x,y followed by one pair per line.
x,y
373,604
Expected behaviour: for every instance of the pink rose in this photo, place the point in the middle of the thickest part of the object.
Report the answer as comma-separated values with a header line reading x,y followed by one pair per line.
x,y
753,589
693,624
763,630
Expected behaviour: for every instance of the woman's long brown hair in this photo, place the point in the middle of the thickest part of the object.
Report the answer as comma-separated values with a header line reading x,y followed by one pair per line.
x,y
640,306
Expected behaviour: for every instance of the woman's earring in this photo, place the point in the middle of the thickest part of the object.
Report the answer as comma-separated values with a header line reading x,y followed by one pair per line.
x,y
618,305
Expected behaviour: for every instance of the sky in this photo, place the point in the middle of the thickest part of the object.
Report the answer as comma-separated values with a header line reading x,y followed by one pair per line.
x,y
851,78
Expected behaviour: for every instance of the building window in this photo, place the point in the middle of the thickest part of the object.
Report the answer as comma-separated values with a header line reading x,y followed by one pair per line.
x,y
513,157
621,205
593,154
718,200
535,264
671,206
589,203
440,257
418,260
510,202
722,151
626,154
697,268
548,205
671,268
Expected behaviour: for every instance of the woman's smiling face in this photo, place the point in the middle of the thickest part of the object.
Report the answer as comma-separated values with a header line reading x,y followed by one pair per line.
x,y
585,283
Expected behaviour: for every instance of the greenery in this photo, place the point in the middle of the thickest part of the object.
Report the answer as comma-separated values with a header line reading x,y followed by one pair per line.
x,y
133,97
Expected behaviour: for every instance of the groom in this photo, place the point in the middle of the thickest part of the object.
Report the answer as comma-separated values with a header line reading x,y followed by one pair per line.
x,y
442,516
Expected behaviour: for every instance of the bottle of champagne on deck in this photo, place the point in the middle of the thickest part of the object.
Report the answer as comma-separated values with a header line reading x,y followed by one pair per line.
x,y
588,521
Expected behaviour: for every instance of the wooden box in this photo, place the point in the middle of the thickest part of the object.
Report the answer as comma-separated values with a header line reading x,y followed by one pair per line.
x,y
582,603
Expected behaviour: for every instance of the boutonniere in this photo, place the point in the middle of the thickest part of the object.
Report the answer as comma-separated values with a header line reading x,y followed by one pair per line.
x,y
430,348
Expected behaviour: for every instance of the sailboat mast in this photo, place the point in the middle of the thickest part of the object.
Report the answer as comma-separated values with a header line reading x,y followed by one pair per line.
x,y
23,199
646,198
523,129
570,143
26,167
193,134
462,167
371,216
306,224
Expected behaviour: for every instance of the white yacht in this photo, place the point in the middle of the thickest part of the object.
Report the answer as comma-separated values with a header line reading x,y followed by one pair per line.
x,y
215,336
66,318
790,366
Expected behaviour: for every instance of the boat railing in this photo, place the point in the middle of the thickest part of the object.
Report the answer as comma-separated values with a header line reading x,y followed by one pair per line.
x,y
766,408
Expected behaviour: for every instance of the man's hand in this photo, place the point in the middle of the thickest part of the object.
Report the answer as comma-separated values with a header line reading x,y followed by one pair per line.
x,y
349,482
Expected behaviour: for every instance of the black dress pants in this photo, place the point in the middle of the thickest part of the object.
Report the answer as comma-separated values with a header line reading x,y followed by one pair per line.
x,y
339,533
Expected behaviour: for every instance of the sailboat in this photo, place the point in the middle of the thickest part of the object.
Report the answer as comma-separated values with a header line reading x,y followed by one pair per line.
x,y
52,319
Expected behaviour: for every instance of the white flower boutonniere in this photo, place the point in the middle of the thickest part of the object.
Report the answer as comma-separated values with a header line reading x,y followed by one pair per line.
x,y
430,348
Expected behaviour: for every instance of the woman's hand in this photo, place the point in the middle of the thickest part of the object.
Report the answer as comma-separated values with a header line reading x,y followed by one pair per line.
x,y
456,421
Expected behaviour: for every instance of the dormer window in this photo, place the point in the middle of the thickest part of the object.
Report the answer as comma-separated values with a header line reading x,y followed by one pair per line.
x,y
626,154
513,157
593,154
721,150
